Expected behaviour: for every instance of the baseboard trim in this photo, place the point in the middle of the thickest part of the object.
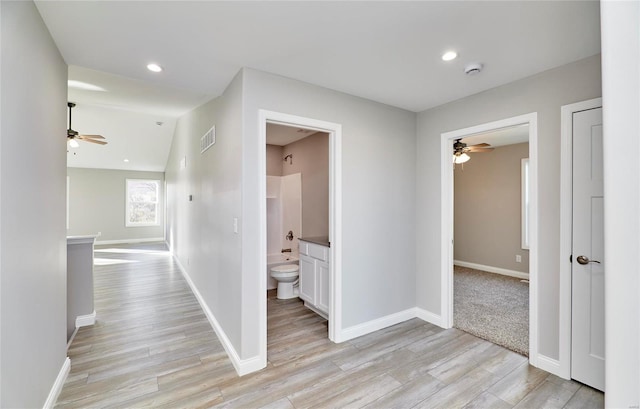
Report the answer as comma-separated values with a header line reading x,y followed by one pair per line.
x,y
86,320
548,364
242,366
490,269
429,317
376,324
58,384
130,241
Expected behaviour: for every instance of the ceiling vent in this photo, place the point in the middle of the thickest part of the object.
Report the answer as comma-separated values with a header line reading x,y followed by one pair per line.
x,y
208,139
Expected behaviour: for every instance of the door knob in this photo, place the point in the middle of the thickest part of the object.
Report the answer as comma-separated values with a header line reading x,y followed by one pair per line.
x,y
585,260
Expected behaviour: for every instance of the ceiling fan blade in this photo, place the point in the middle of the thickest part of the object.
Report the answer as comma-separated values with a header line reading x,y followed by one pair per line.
x,y
94,141
91,136
474,149
480,145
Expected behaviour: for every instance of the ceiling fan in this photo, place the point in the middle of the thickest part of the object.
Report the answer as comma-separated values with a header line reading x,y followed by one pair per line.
x,y
460,150
73,137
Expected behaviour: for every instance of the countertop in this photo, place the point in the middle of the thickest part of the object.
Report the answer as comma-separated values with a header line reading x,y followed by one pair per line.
x,y
321,240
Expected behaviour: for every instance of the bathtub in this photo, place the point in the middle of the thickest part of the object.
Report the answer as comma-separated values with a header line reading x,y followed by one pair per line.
x,y
278,260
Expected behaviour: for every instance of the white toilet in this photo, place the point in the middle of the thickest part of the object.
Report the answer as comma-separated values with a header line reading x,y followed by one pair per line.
x,y
287,277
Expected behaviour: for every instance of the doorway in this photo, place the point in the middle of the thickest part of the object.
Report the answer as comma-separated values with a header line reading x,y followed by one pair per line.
x,y
335,217
491,253
447,219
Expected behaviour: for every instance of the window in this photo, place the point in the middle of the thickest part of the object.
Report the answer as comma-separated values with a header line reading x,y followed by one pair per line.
x,y
142,202
525,203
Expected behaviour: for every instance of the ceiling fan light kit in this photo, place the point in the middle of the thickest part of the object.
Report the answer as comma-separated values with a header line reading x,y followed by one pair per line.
x,y
461,158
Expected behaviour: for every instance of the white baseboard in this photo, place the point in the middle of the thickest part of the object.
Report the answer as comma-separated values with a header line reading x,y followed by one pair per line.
x,y
242,366
130,241
429,317
86,320
548,364
58,384
376,324
490,269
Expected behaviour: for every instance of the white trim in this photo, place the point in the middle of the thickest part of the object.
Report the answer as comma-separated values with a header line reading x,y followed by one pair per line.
x,y
446,217
242,367
58,384
549,364
377,324
86,320
491,269
73,335
335,218
429,317
524,209
566,229
130,241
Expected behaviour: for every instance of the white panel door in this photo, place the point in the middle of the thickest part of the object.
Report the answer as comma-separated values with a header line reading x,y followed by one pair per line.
x,y
588,264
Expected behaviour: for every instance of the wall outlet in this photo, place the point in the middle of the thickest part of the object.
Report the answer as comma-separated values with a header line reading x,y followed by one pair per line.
x,y
518,258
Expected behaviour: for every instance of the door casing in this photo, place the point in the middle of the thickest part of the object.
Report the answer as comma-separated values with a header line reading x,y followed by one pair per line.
x,y
335,218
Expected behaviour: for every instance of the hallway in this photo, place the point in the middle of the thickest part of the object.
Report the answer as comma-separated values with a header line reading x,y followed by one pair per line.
x,y
153,347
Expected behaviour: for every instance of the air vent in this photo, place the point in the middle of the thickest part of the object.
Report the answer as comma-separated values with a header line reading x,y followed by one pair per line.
x,y
208,139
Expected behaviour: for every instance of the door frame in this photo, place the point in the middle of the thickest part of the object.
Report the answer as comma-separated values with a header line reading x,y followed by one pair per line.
x,y
446,217
566,228
335,217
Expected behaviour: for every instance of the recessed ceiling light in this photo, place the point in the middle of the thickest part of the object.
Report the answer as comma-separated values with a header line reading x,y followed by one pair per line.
x,y
84,85
126,160
154,67
449,55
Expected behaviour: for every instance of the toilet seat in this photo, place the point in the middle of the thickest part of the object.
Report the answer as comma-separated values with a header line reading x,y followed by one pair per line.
x,y
286,268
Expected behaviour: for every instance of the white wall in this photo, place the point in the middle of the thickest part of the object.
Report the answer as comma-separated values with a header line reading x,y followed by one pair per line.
x,y
378,162
543,93
33,245
97,203
200,232
621,120
378,176
487,203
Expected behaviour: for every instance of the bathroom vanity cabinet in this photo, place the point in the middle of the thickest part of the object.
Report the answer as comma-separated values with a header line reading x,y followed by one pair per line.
x,y
314,274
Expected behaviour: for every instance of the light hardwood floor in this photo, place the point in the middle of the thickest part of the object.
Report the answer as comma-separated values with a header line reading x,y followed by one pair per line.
x,y
153,347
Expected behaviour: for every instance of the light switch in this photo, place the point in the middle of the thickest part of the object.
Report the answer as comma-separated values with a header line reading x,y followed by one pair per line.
x,y
235,225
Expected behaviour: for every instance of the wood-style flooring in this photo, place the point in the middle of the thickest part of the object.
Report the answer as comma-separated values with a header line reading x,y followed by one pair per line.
x,y
153,347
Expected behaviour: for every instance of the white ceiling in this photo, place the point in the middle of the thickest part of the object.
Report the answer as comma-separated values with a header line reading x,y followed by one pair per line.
x,y
283,135
387,51
501,137
129,135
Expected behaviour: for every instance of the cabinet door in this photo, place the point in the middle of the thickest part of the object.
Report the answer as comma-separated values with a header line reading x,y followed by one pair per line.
x,y
307,279
322,284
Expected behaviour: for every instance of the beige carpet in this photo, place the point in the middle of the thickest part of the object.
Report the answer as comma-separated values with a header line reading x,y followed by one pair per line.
x,y
493,307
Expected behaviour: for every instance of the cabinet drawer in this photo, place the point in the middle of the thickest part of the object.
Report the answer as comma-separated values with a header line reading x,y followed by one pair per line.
x,y
318,252
303,248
